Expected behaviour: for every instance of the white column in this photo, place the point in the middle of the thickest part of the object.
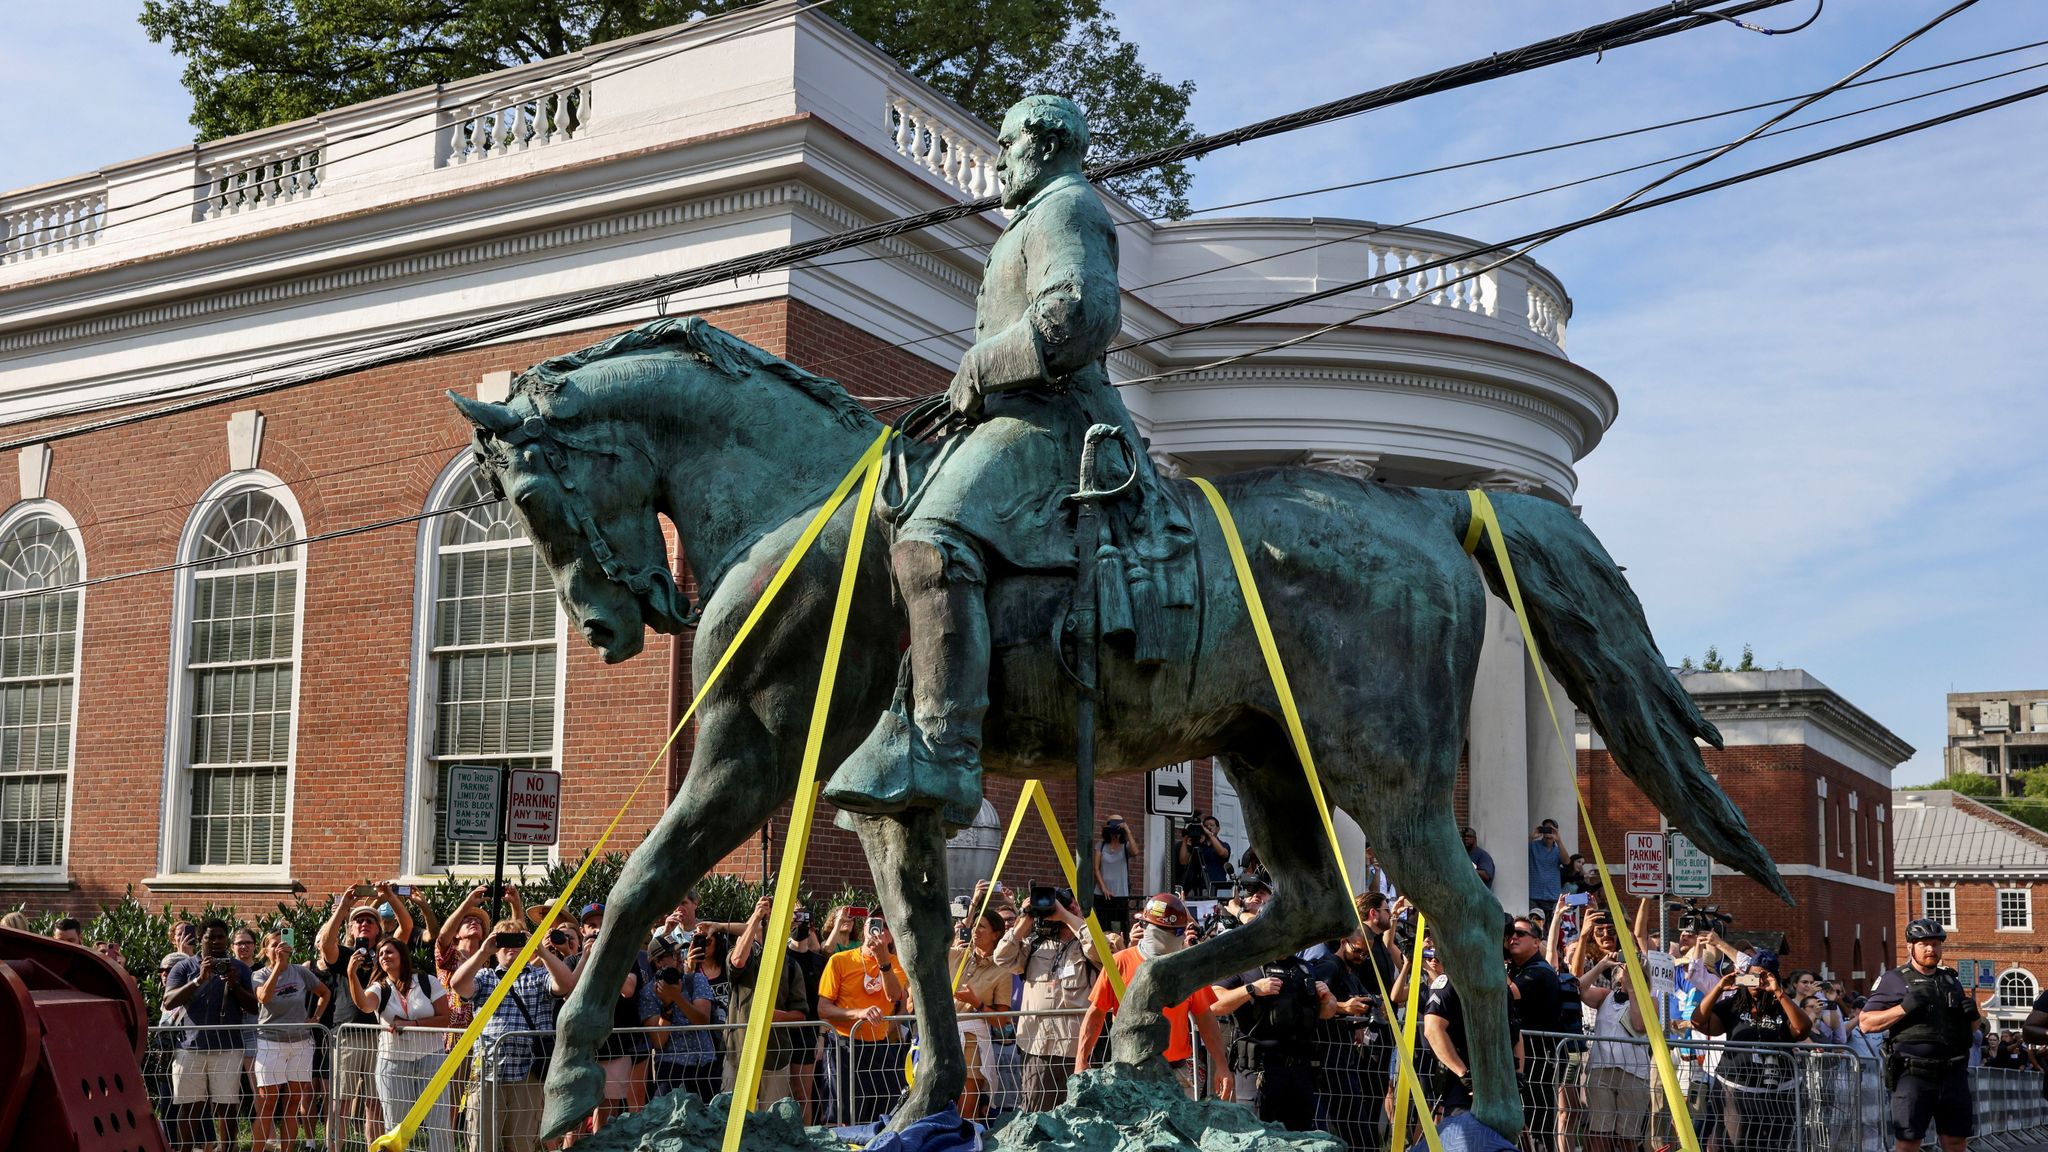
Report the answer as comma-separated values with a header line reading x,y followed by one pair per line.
x,y
1498,756
1351,842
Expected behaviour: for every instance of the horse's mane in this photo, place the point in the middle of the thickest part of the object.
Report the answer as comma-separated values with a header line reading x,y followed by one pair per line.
x,y
725,353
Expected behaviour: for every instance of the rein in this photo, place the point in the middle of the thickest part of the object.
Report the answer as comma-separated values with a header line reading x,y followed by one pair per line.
x,y
646,583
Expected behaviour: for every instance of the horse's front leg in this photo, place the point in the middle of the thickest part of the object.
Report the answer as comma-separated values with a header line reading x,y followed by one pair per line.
x,y
907,855
720,804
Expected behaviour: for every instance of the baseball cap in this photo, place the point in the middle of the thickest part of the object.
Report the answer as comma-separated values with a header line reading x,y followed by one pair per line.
x,y
170,959
589,910
1165,910
1255,879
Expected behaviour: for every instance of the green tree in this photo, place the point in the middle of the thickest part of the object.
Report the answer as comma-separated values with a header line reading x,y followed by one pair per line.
x,y
1748,660
1710,661
1968,785
254,63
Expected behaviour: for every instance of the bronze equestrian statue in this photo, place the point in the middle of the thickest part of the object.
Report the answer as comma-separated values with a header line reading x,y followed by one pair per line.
x,y
1376,606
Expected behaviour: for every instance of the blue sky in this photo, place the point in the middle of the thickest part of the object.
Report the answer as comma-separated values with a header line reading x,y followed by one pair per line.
x,y
1831,420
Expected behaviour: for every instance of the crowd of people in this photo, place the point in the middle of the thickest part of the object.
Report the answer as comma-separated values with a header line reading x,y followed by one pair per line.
x,y
1307,1040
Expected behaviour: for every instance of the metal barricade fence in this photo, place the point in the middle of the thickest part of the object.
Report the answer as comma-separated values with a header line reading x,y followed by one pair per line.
x,y
1742,1097
268,1082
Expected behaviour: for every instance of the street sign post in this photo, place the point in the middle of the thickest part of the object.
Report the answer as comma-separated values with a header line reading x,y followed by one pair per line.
x,y
533,805
1645,870
1966,972
1170,791
474,812
1985,975
1692,871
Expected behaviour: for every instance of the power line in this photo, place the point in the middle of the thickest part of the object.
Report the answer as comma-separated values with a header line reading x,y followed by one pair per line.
x,y
1650,25
1518,248
1448,214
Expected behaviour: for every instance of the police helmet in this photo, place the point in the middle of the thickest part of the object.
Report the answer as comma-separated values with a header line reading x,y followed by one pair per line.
x,y
1925,928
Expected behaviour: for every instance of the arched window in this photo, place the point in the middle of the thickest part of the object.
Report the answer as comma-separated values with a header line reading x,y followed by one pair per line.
x,y
39,624
240,677
491,655
2017,989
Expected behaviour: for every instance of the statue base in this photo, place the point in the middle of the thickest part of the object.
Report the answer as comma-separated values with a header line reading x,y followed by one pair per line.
x,y
1124,1108
1119,1108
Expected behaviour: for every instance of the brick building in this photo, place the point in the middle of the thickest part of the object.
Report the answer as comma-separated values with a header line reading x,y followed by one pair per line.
x,y
1812,775
1976,870
219,685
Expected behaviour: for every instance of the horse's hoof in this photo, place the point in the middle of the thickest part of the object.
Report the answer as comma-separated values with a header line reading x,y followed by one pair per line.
x,y
575,1089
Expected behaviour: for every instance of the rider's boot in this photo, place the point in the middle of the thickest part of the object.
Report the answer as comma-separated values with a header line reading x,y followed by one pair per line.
x,y
930,758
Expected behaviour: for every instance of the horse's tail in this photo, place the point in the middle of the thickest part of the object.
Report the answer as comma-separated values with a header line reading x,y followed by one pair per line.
x,y
1591,631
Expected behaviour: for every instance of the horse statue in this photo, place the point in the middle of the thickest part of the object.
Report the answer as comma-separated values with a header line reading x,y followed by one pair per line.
x,y
1373,599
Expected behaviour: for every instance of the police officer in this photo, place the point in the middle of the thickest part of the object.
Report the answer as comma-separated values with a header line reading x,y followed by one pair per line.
x,y
1931,1020
1277,1009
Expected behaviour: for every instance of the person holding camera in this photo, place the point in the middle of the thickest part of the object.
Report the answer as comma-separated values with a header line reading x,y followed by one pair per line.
x,y
351,934
517,1040
1277,1009
1761,1088
290,997
1047,945
858,989
1113,855
1356,1038
1930,1019
749,952
1546,865
688,1059
1202,858
212,989
809,952
403,1002
983,987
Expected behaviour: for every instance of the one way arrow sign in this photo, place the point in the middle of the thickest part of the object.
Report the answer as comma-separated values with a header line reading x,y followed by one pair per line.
x,y
1170,791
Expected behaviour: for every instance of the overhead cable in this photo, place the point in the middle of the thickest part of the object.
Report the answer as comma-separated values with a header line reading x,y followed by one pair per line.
x,y
1653,24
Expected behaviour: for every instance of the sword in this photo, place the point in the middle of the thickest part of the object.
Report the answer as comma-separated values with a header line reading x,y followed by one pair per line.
x,y
1090,536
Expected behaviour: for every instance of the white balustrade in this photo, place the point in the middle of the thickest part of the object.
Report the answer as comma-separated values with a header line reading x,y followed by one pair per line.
x,y
517,121
940,148
246,183
51,226
1460,285
1546,316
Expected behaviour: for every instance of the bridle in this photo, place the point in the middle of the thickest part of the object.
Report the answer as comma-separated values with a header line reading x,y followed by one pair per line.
x,y
654,584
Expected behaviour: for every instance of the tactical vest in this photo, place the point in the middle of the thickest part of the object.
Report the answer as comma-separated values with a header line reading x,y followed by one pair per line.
x,y
1946,1022
1290,1016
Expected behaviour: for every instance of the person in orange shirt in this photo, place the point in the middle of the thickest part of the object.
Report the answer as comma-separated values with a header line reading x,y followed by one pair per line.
x,y
857,989
1168,919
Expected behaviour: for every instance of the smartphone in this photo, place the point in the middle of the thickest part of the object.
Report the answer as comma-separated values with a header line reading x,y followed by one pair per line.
x,y
402,889
290,938
857,913
1578,899
1749,980
876,926
366,890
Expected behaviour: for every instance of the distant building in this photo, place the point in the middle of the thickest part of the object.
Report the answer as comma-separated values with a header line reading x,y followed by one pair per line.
x,y
1996,734
1812,773
1975,869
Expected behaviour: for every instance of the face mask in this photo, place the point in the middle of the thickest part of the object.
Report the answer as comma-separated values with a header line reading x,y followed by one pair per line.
x,y
1159,942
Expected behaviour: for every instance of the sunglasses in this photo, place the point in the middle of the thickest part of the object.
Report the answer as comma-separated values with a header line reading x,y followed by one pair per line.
x,y
1514,932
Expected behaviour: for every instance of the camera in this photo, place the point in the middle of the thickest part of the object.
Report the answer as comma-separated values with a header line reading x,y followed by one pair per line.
x,y
509,940
1192,830
670,976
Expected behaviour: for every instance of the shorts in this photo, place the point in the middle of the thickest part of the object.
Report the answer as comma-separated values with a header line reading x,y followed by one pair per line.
x,y
355,1064
1941,1097
199,1075
1616,1103
283,1062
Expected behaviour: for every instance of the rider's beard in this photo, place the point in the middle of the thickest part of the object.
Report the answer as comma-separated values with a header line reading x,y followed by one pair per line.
x,y
1160,942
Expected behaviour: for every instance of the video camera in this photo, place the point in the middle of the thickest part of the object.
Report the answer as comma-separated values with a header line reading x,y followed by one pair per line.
x,y
1697,917
1192,830
1043,908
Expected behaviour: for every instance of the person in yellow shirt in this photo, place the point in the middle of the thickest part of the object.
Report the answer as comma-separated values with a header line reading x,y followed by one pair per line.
x,y
859,988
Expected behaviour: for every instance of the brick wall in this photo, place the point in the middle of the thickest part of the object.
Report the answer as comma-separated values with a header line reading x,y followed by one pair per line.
x,y
351,450
1774,788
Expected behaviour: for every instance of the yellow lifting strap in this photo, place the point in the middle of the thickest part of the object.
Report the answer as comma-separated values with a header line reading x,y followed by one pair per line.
x,y
1485,520
1035,792
1409,1019
768,978
400,1137
1254,607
